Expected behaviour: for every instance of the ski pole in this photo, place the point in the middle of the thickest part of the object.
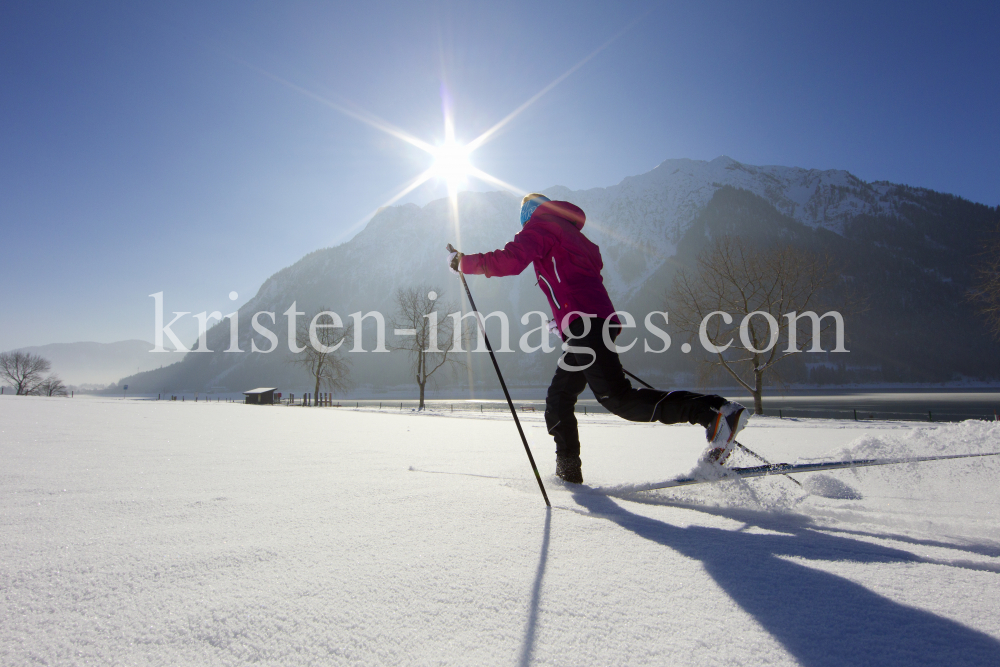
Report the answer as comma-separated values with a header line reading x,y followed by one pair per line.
x,y
738,444
510,403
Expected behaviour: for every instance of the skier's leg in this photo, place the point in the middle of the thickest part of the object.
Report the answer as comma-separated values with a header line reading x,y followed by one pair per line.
x,y
560,415
560,419
614,391
690,407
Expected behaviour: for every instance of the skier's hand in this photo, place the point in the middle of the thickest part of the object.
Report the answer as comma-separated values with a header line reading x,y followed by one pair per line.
x,y
454,260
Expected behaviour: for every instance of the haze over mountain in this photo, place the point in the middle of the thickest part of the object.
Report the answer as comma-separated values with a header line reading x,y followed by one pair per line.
x,y
909,250
87,363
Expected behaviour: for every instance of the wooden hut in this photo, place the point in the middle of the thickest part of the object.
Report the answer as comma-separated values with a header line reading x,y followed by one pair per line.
x,y
259,396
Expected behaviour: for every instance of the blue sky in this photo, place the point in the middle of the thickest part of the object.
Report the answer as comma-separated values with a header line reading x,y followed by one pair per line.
x,y
148,148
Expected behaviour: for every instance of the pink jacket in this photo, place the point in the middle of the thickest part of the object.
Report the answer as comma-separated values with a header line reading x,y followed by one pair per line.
x,y
568,265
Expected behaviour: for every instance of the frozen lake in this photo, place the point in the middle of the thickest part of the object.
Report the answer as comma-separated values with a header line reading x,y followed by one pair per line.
x,y
867,404
908,405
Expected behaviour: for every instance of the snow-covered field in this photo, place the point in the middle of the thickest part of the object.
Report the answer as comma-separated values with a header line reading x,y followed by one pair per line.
x,y
140,532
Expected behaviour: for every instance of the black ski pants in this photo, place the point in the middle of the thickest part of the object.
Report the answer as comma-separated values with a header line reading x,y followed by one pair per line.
x,y
612,389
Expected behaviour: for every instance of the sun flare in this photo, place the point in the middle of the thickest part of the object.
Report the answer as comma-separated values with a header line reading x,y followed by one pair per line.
x,y
450,161
452,164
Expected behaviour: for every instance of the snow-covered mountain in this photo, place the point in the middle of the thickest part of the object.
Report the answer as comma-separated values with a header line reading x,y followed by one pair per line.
x,y
917,237
639,222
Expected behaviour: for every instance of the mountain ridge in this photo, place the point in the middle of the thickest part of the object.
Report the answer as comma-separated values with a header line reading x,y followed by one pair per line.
x,y
639,224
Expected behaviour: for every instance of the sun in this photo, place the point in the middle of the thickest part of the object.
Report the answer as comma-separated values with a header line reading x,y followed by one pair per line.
x,y
451,163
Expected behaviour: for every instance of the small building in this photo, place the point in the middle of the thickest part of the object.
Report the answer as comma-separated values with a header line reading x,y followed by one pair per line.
x,y
259,396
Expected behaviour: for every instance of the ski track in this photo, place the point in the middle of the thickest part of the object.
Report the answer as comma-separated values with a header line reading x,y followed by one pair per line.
x,y
160,533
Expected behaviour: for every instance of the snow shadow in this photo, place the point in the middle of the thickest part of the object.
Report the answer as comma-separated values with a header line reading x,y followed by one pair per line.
x,y
822,619
990,550
528,644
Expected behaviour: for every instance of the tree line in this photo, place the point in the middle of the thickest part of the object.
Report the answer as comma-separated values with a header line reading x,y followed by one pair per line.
x,y
26,373
430,344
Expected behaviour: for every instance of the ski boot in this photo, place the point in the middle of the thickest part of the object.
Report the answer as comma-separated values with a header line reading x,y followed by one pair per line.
x,y
569,469
721,432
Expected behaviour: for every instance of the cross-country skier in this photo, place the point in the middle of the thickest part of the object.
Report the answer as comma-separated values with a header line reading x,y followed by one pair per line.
x,y
568,266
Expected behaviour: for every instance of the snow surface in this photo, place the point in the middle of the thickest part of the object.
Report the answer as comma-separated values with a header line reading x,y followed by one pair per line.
x,y
142,532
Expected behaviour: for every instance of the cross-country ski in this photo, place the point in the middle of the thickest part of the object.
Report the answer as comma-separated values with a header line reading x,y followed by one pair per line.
x,y
722,474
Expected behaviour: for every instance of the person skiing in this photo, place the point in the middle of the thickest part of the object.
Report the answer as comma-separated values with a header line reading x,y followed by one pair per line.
x,y
568,267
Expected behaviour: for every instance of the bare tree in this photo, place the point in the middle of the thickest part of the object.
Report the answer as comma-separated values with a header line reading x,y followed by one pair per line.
x,y
323,336
23,370
51,386
428,339
766,284
987,289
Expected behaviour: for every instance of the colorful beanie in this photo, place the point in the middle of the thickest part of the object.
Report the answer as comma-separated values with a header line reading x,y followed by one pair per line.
x,y
529,204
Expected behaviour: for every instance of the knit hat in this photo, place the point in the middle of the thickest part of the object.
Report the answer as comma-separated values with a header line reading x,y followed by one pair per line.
x,y
529,204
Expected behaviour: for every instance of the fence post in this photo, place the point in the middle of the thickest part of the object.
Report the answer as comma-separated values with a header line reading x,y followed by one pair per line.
x,y
780,416
855,414
930,417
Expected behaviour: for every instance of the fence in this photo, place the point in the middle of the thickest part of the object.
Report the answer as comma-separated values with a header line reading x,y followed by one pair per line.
x,y
588,408
984,408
